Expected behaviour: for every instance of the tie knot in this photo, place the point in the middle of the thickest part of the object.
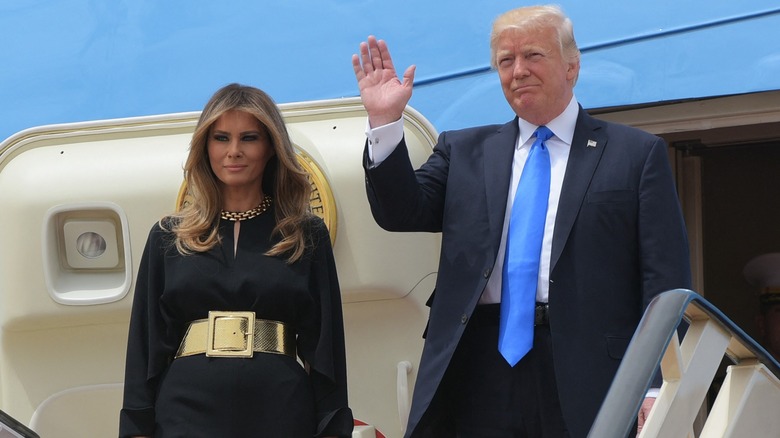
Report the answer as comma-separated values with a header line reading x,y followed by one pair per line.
x,y
543,133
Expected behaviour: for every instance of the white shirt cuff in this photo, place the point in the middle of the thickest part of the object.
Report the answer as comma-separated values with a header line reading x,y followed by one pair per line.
x,y
383,140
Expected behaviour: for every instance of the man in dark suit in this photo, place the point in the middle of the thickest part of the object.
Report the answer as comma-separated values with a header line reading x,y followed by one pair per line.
x,y
613,238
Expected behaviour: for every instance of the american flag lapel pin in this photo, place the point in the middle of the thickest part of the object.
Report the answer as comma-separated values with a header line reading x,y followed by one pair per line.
x,y
591,143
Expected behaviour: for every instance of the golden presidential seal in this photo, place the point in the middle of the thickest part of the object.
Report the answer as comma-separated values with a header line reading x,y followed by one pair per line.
x,y
321,201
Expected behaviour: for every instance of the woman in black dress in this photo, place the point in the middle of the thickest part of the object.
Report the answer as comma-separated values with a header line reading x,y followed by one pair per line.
x,y
233,289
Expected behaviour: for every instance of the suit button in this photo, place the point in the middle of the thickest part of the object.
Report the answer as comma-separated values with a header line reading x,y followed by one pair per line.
x,y
464,318
486,274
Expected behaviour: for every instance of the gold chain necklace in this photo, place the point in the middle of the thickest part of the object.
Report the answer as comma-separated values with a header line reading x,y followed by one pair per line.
x,y
249,214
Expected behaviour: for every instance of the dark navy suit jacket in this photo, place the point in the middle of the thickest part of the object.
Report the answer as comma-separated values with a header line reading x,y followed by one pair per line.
x,y
619,240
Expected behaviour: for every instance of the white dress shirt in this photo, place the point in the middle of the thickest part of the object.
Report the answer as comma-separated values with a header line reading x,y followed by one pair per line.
x,y
383,140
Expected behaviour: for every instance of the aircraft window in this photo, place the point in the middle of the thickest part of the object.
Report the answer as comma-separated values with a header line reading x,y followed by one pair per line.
x,y
91,245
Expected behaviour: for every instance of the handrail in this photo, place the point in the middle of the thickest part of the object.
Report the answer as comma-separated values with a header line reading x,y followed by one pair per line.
x,y
655,344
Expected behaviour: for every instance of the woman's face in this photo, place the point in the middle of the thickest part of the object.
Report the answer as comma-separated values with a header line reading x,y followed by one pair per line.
x,y
239,148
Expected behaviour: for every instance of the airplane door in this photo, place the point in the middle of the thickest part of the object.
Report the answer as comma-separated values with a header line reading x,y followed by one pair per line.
x,y
76,204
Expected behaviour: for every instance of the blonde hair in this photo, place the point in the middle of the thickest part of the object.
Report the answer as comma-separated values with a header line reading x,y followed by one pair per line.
x,y
196,225
535,18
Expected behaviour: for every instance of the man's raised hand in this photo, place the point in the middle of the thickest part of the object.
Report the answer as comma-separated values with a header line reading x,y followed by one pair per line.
x,y
384,96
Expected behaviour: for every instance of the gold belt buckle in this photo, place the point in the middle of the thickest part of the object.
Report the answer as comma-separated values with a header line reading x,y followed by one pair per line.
x,y
231,334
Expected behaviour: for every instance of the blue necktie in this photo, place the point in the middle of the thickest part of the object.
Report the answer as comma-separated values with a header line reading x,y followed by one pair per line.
x,y
523,250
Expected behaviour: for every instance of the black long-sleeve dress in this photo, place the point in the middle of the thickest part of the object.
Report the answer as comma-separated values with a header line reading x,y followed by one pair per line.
x,y
268,395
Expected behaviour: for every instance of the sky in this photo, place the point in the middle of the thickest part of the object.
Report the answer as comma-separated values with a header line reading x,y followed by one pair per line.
x,y
80,60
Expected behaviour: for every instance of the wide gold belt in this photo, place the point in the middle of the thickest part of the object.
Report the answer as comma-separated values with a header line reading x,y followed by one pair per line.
x,y
236,334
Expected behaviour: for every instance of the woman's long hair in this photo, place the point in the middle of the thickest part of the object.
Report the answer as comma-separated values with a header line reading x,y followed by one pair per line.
x,y
196,224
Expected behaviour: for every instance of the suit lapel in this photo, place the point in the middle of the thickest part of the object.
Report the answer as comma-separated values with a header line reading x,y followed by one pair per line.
x,y
587,148
498,153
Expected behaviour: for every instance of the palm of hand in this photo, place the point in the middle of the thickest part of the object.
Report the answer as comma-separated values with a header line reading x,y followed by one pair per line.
x,y
382,89
384,96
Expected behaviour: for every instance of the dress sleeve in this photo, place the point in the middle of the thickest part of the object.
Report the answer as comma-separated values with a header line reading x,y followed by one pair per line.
x,y
146,357
327,358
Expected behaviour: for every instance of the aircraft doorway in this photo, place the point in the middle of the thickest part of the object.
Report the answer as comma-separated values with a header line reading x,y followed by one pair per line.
x,y
739,215
725,153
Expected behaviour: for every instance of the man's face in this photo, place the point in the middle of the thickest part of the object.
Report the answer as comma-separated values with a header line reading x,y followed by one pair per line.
x,y
536,80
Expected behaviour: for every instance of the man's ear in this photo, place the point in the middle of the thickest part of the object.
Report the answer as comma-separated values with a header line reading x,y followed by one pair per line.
x,y
573,71
574,66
